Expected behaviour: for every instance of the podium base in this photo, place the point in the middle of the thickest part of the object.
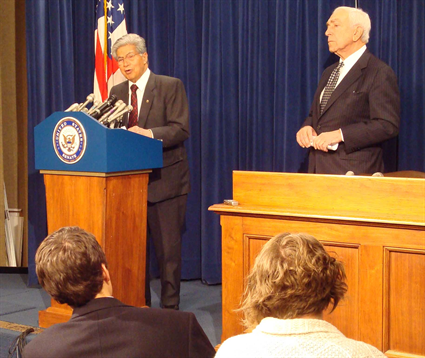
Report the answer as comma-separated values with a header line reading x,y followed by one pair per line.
x,y
53,315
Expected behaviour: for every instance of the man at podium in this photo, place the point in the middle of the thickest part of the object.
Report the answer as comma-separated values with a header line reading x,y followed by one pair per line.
x,y
161,111
356,106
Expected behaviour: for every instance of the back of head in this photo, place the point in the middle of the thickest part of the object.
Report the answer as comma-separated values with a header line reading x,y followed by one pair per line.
x,y
293,276
69,266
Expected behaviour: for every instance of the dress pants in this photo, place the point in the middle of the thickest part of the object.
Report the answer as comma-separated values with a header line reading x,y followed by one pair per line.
x,y
165,225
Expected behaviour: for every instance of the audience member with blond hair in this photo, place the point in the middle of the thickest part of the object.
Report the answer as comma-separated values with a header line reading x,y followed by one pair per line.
x,y
292,282
71,266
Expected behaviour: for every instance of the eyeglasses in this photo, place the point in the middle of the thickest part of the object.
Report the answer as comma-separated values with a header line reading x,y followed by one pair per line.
x,y
130,57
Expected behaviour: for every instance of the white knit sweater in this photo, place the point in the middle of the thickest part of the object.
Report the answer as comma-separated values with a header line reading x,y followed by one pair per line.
x,y
295,338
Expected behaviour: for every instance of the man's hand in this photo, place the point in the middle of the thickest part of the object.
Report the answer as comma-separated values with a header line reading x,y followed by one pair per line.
x,y
327,138
305,136
142,131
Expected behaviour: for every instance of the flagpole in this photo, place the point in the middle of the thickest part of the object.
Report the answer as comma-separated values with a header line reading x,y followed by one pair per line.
x,y
105,41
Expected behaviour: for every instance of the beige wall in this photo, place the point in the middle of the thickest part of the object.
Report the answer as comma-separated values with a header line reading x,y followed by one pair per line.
x,y
2,234
13,114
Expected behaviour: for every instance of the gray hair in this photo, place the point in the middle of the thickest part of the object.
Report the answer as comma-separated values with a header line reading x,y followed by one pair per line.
x,y
129,39
360,18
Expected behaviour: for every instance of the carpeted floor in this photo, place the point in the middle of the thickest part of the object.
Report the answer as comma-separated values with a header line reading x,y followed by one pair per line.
x,y
19,306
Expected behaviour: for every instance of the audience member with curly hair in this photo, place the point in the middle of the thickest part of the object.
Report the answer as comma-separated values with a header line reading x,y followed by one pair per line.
x,y
292,282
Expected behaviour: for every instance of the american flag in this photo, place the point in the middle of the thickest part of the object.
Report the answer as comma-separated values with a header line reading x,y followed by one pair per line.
x,y
109,29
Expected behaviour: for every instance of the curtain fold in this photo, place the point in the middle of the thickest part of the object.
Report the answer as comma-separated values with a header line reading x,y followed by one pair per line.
x,y
250,69
411,76
60,66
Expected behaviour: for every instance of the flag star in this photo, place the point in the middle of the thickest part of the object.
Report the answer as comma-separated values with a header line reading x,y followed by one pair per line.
x,y
110,35
109,5
110,22
121,8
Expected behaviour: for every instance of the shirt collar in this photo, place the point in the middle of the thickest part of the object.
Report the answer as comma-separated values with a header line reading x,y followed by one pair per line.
x,y
351,60
141,82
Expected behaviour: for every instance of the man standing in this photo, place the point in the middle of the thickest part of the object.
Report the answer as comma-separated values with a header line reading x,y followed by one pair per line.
x,y
356,106
71,266
160,110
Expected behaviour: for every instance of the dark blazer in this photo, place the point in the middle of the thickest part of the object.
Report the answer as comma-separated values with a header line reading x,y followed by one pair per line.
x,y
105,327
366,106
165,111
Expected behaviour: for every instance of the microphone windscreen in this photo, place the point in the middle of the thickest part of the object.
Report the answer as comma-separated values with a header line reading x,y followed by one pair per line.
x,y
350,173
377,174
72,107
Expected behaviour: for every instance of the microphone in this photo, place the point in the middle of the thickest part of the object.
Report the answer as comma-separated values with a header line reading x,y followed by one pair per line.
x,y
104,107
72,107
119,114
118,106
96,104
378,174
89,99
350,173
95,108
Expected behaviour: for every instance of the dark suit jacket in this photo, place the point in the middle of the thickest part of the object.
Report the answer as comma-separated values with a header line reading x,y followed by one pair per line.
x,y
105,327
165,111
366,106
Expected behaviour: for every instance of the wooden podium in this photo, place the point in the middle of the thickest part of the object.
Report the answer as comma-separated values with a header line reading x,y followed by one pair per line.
x,y
103,192
375,225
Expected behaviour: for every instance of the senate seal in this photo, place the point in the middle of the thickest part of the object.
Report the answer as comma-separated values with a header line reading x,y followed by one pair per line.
x,y
69,140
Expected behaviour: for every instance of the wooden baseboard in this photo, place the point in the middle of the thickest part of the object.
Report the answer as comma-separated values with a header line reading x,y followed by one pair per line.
x,y
8,269
53,315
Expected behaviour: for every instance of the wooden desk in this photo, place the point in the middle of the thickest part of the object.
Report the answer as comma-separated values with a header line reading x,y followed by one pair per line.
x,y
375,225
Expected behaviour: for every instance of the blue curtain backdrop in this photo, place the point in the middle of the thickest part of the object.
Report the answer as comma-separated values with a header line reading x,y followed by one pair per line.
x,y
250,68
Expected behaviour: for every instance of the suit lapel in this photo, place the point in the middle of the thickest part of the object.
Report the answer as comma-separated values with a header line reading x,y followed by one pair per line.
x,y
122,94
352,76
147,101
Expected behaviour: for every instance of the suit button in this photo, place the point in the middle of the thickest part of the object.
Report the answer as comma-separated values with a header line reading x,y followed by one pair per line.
x,y
319,126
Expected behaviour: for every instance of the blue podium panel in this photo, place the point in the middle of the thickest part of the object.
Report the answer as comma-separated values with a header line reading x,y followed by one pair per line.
x,y
74,141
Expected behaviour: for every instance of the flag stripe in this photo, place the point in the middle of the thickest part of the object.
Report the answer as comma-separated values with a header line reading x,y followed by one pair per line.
x,y
110,27
100,72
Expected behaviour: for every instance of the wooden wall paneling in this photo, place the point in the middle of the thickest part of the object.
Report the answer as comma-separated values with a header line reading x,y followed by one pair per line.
x,y
346,315
125,236
404,316
87,195
370,234
253,245
232,274
371,271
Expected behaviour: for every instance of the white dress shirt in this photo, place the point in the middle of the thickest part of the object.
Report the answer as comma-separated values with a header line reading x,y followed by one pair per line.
x,y
141,86
349,62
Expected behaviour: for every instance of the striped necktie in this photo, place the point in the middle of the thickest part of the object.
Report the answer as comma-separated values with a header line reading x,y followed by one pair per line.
x,y
330,86
132,119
